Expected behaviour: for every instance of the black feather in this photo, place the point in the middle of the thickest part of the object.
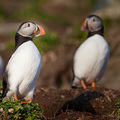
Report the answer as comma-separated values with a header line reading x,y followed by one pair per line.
x,y
100,32
19,39
5,85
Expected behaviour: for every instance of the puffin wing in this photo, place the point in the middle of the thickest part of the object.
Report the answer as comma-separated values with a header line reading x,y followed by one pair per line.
x,y
5,88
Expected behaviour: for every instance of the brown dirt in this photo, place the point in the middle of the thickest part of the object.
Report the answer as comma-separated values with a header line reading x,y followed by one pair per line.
x,y
77,104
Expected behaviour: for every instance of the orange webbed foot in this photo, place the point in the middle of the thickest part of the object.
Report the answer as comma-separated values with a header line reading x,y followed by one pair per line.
x,y
15,96
93,84
83,84
27,102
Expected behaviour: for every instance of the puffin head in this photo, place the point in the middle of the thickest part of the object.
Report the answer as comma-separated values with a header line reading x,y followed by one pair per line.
x,y
30,29
92,23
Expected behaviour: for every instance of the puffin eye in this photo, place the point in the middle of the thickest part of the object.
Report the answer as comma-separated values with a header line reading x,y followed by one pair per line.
x,y
28,25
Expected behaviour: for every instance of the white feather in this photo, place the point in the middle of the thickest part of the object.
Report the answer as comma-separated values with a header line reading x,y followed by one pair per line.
x,y
23,70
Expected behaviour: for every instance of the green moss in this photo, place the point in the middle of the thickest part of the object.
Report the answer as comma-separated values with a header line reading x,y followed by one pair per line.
x,y
118,108
18,111
15,110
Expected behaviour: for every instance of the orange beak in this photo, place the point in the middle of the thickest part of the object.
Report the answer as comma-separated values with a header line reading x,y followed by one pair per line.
x,y
39,31
42,31
83,27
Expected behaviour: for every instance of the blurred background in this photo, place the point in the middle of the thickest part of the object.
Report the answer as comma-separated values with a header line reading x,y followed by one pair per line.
x,y
62,21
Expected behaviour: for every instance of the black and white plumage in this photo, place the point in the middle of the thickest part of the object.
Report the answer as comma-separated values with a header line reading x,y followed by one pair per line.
x,y
90,59
23,67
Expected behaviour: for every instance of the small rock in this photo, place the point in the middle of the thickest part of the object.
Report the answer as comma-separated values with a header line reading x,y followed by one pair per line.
x,y
62,96
11,110
1,110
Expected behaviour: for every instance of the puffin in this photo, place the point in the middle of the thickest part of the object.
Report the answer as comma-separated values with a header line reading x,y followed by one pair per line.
x,y
23,68
90,59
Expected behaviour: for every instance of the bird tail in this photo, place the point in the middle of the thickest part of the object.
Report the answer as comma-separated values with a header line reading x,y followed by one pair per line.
x,y
76,82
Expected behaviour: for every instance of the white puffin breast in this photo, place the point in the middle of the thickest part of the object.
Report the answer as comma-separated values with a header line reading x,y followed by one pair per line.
x,y
23,68
91,58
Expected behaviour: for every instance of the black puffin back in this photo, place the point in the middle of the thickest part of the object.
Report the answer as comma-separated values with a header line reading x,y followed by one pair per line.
x,y
19,39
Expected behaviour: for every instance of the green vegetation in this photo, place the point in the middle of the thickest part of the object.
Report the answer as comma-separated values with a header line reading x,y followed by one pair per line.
x,y
3,13
0,89
118,108
15,110
10,45
33,10
81,35
93,2
0,82
107,21
78,34
110,22
46,42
